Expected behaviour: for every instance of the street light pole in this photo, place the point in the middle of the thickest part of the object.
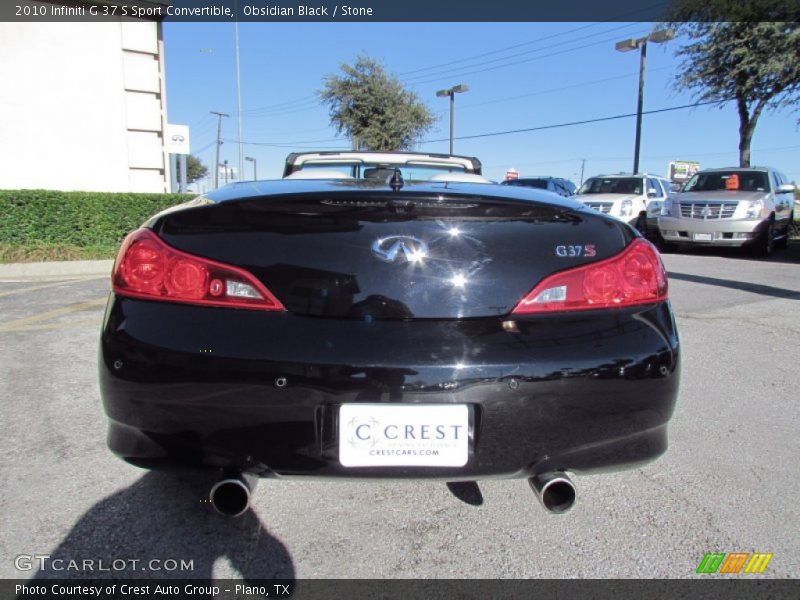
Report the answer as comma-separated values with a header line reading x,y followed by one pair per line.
x,y
255,171
219,143
456,89
639,106
656,37
452,119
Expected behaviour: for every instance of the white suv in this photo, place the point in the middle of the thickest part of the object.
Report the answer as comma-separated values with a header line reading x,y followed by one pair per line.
x,y
635,199
731,207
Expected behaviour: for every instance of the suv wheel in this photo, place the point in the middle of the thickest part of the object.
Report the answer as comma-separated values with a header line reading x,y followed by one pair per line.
x,y
641,224
664,246
765,243
784,241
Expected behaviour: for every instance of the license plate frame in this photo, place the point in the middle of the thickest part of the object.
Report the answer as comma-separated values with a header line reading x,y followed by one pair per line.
x,y
403,435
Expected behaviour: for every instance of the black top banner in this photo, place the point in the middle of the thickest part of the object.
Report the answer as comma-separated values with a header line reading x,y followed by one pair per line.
x,y
401,10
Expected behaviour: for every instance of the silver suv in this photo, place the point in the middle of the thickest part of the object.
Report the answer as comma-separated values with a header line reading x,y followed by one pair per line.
x,y
635,199
731,207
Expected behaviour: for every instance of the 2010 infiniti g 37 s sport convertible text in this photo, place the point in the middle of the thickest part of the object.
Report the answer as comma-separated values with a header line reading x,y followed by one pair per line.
x,y
354,328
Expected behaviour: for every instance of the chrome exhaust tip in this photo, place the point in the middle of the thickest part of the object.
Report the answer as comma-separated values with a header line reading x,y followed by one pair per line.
x,y
554,490
231,496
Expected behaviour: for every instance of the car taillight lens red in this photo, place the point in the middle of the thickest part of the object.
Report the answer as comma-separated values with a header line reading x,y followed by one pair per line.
x,y
634,276
148,268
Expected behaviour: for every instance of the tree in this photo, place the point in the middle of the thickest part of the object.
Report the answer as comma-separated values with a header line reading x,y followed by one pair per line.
x,y
373,108
731,55
195,169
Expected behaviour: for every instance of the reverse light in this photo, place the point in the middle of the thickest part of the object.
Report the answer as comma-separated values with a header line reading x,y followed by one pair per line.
x,y
634,276
148,268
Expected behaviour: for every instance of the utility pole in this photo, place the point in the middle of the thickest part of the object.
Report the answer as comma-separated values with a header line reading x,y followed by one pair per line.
x,y
226,171
583,165
219,143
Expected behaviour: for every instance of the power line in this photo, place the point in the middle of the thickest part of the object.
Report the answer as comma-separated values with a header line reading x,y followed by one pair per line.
x,y
498,51
281,144
644,156
553,36
734,152
280,105
496,133
558,89
202,129
572,123
527,52
293,131
286,112
519,62
204,148
308,102
206,118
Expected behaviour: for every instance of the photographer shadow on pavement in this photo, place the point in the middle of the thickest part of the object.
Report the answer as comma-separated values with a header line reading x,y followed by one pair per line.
x,y
165,516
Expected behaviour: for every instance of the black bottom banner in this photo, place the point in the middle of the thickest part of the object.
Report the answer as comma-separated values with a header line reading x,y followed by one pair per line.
x,y
319,589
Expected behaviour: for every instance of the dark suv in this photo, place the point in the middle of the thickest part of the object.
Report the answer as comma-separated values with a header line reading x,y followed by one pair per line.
x,y
562,187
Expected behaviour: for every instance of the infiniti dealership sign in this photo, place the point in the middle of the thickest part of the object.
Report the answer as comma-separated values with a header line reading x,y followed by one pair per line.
x,y
177,139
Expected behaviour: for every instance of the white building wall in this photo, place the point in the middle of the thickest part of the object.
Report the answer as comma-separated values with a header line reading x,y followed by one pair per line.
x,y
82,106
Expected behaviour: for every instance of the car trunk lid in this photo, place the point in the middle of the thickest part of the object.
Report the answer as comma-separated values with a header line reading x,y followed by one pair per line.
x,y
382,255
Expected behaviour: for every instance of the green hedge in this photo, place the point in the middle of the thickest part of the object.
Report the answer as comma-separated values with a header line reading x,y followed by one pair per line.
x,y
76,219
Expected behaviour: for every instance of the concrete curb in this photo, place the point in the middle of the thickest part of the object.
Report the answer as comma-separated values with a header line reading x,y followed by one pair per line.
x,y
55,270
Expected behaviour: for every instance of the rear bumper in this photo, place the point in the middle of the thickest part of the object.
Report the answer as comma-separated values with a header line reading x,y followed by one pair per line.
x,y
202,386
724,232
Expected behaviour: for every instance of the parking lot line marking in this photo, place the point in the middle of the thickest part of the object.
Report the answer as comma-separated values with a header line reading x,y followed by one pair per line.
x,y
47,285
25,322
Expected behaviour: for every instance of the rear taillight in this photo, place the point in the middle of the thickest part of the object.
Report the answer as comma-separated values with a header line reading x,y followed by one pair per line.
x,y
148,268
634,276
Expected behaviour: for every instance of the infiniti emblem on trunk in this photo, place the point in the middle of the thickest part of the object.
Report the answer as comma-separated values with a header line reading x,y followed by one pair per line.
x,y
392,248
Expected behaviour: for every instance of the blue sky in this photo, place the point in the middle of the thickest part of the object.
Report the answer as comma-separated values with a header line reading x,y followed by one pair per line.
x,y
521,75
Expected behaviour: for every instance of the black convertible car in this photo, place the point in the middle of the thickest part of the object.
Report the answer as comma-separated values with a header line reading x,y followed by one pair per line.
x,y
357,327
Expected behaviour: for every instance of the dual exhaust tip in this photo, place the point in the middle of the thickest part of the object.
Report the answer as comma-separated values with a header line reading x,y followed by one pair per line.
x,y
231,496
554,490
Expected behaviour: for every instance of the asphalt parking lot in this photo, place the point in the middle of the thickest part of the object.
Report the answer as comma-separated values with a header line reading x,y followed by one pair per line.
x,y
729,482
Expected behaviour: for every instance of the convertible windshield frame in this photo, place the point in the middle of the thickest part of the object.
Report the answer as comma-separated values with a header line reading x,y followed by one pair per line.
x,y
365,170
